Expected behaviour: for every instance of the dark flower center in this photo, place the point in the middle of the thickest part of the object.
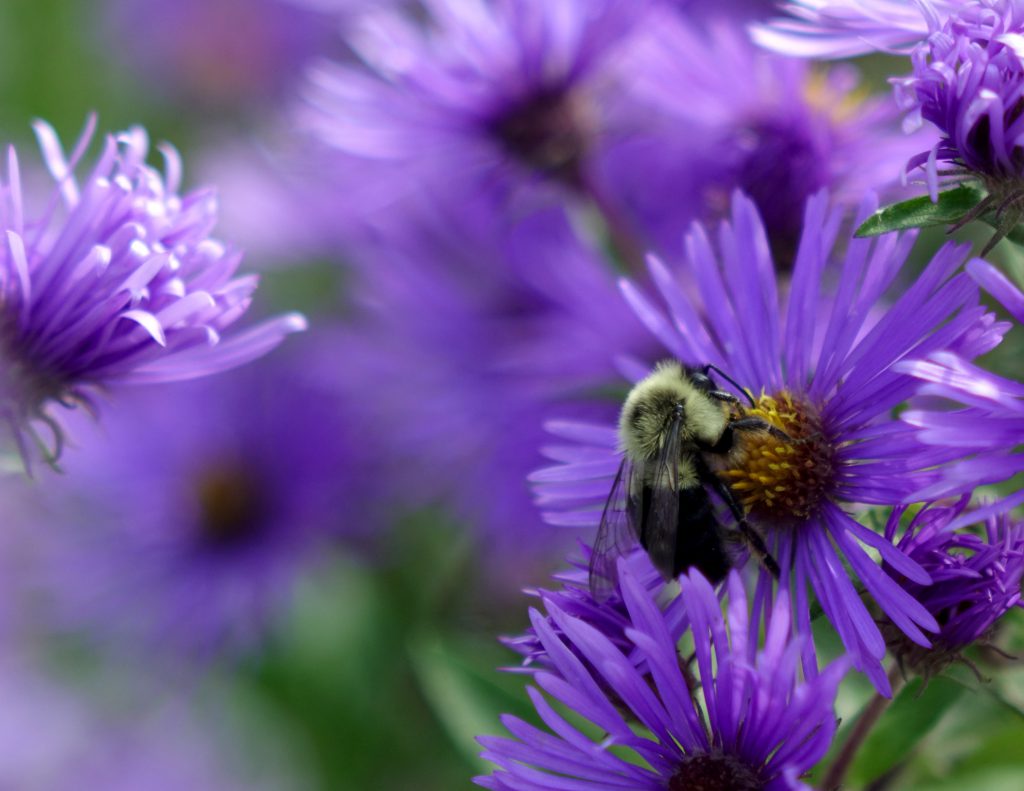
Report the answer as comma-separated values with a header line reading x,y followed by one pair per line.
x,y
714,772
780,168
548,131
231,506
783,481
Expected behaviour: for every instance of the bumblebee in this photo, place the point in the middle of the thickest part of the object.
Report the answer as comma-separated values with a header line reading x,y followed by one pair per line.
x,y
673,427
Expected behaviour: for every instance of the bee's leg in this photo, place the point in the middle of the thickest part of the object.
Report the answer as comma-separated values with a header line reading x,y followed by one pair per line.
x,y
757,546
721,395
751,536
753,423
728,438
709,367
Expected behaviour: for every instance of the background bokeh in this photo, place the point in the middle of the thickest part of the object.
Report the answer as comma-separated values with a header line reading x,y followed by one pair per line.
x,y
157,631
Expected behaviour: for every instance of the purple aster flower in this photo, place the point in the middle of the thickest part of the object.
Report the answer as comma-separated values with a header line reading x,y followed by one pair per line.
x,y
968,78
731,117
756,725
483,97
976,576
116,280
820,361
189,543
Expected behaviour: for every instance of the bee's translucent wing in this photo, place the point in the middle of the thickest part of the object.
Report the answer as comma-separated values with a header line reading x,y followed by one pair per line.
x,y
618,532
660,527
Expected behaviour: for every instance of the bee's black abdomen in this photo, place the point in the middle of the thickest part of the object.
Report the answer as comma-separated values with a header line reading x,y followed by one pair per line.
x,y
698,537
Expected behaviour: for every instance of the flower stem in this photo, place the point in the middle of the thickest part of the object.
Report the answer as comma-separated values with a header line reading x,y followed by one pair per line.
x,y
868,719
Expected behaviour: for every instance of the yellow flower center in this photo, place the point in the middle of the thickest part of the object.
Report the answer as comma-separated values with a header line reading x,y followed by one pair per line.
x,y
778,480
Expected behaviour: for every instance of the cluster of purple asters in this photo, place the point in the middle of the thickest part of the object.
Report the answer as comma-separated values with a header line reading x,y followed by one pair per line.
x,y
492,169
513,112
520,103
821,359
495,152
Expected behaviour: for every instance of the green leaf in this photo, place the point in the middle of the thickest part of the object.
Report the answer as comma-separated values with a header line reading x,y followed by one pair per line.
x,y
1004,778
466,699
909,719
338,672
922,213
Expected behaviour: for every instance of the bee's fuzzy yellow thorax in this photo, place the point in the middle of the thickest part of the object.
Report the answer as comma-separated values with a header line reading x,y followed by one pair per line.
x,y
651,403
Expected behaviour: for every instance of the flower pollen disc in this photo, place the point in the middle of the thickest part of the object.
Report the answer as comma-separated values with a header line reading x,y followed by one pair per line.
x,y
549,132
776,480
710,772
231,506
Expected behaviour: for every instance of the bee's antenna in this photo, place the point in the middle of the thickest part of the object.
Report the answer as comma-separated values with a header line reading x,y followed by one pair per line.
x,y
730,380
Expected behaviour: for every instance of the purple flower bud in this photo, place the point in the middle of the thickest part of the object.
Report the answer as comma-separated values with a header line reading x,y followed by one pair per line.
x,y
976,577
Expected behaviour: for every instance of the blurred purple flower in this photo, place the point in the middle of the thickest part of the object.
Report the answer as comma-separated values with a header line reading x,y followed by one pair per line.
x,y
117,280
829,382
223,53
483,97
497,100
468,332
189,543
733,117
976,576
755,727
